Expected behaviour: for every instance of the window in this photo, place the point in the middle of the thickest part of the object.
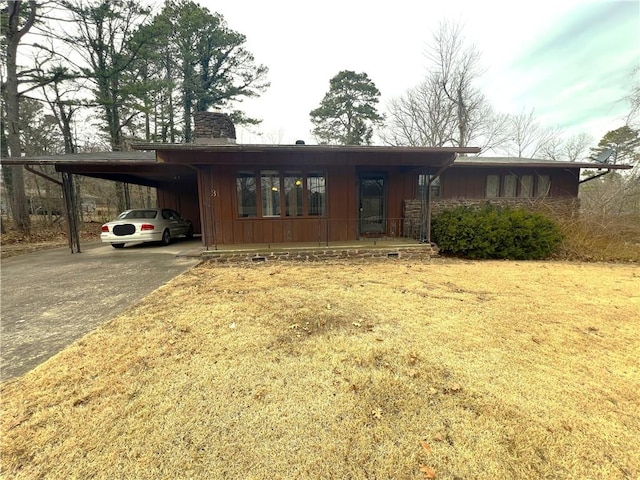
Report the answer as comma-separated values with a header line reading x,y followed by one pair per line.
x,y
317,194
493,186
435,186
288,194
246,191
293,194
526,186
270,186
543,186
510,186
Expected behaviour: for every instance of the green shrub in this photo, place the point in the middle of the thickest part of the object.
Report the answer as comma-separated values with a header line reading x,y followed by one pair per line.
x,y
494,232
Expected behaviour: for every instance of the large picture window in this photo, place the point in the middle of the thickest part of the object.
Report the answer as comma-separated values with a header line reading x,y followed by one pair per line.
x,y
282,194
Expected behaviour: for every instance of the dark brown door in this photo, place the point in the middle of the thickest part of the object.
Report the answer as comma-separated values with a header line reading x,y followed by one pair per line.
x,y
372,205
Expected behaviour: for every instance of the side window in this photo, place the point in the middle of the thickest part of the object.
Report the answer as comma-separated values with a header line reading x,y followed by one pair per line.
x,y
493,186
543,186
510,185
526,186
166,214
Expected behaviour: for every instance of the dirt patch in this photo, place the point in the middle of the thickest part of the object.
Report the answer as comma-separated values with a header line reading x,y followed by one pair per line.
x,y
384,369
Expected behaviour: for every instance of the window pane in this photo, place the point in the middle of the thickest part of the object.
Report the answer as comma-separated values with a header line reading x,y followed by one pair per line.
x,y
316,189
246,191
526,186
422,181
493,186
435,188
270,186
293,193
510,185
543,186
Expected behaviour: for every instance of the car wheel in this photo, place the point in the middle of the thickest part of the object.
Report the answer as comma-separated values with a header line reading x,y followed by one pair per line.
x,y
166,237
190,232
117,245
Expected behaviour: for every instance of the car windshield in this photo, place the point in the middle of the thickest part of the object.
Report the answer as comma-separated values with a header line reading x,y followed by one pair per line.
x,y
138,214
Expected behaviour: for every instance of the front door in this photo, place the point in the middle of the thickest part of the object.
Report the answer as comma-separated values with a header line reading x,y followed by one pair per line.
x,y
372,205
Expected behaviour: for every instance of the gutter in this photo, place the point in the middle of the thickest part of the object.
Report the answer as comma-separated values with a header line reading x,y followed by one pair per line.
x,y
594,177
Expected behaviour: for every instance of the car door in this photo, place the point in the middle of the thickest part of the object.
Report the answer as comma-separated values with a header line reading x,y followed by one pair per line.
x,y
173,221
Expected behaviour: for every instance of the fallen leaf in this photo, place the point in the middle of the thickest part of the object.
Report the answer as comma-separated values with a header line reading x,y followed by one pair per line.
x,y
428,472
356,324
425,446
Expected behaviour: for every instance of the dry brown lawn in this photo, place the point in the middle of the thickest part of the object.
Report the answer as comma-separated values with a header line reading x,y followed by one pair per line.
x,y
380,370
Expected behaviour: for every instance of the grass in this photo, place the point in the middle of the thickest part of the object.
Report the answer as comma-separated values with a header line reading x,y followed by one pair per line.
x,y
363,370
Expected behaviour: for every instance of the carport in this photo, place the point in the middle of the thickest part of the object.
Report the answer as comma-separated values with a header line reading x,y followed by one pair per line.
x,y
176,185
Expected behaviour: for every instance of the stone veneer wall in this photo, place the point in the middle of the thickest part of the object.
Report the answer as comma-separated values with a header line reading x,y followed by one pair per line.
x,y
213,127
553,206
422,252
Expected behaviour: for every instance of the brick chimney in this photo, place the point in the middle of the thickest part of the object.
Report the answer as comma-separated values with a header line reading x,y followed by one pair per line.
x,y
213,128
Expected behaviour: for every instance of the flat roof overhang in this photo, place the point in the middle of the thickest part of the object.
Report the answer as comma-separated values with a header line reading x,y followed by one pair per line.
x,y
510,162
345,155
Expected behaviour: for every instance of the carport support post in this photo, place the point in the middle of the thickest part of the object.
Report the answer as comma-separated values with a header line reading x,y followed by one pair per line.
x,y
71,211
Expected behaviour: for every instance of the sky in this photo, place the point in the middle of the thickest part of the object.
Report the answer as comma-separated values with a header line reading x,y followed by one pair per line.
x,y
570,61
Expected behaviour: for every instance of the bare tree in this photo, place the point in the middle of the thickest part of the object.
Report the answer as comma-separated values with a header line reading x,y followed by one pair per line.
x,y
527,137
577,146
633,118
422,117
16,27
571,149
456,67
446,108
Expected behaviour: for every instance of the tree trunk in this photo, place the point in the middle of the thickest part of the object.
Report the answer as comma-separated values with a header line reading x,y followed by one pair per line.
x,y
14,175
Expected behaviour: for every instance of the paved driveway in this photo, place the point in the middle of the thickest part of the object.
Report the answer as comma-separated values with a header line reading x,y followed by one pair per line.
x,y
51,298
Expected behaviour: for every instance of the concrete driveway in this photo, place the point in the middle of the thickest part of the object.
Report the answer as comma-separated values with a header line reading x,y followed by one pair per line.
x,y
51,298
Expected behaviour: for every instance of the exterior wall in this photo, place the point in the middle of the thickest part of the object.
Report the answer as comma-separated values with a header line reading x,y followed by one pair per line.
x,y
554,206
181,196
470,182
223,226
465,186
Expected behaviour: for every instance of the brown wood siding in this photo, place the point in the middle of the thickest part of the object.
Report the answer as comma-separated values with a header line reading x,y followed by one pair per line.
x,y
340,223
470,182
341,203
181,196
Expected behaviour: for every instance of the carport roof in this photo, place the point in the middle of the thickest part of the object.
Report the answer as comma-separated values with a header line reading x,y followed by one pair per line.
x,y
132,167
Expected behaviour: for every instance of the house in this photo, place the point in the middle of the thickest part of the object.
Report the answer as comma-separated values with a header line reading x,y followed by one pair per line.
x,y
266,194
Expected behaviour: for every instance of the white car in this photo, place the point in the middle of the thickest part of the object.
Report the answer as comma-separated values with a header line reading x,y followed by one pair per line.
x,y
146,225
